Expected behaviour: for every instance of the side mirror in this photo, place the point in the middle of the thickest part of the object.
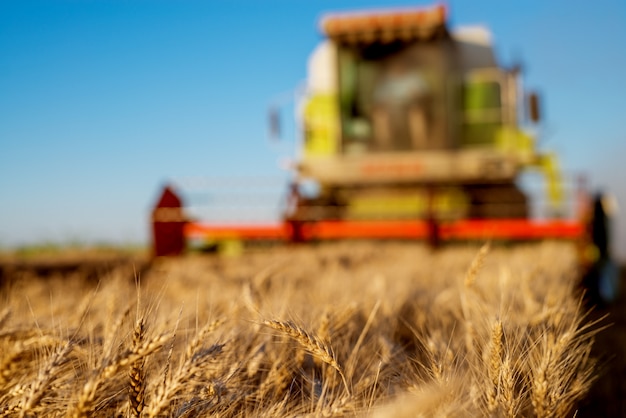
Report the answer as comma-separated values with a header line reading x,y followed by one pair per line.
x,y
274,123
534,107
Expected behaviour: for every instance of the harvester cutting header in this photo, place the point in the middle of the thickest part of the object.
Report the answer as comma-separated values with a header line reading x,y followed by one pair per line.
x,y
411,130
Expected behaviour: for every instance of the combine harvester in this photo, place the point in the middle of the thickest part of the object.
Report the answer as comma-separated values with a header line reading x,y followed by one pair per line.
x,y
411,131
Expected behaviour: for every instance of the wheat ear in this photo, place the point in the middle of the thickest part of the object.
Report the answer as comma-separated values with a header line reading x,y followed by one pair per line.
x,y
86,397
46,374
476,265
493,368
310,343
4,316
10,362
195,358
136,388
507,395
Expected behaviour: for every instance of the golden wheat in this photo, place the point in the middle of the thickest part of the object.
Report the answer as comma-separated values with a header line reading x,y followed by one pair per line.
x,y
385,330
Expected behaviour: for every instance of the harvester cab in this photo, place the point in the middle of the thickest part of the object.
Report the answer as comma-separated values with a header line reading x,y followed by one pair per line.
x,y
404,118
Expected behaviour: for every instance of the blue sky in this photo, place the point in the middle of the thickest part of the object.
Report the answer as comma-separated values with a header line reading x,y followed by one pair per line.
x,y
102,101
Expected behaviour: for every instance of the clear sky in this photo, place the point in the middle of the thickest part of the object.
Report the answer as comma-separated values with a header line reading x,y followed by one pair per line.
x,y
101,102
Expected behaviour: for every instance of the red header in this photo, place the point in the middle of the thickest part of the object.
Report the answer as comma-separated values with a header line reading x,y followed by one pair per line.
x,y
499,229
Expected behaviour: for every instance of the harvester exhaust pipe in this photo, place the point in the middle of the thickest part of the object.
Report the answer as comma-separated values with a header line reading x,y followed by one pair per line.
x,y
274,124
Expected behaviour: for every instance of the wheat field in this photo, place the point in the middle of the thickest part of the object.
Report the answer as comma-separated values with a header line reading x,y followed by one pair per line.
x,y
334,329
